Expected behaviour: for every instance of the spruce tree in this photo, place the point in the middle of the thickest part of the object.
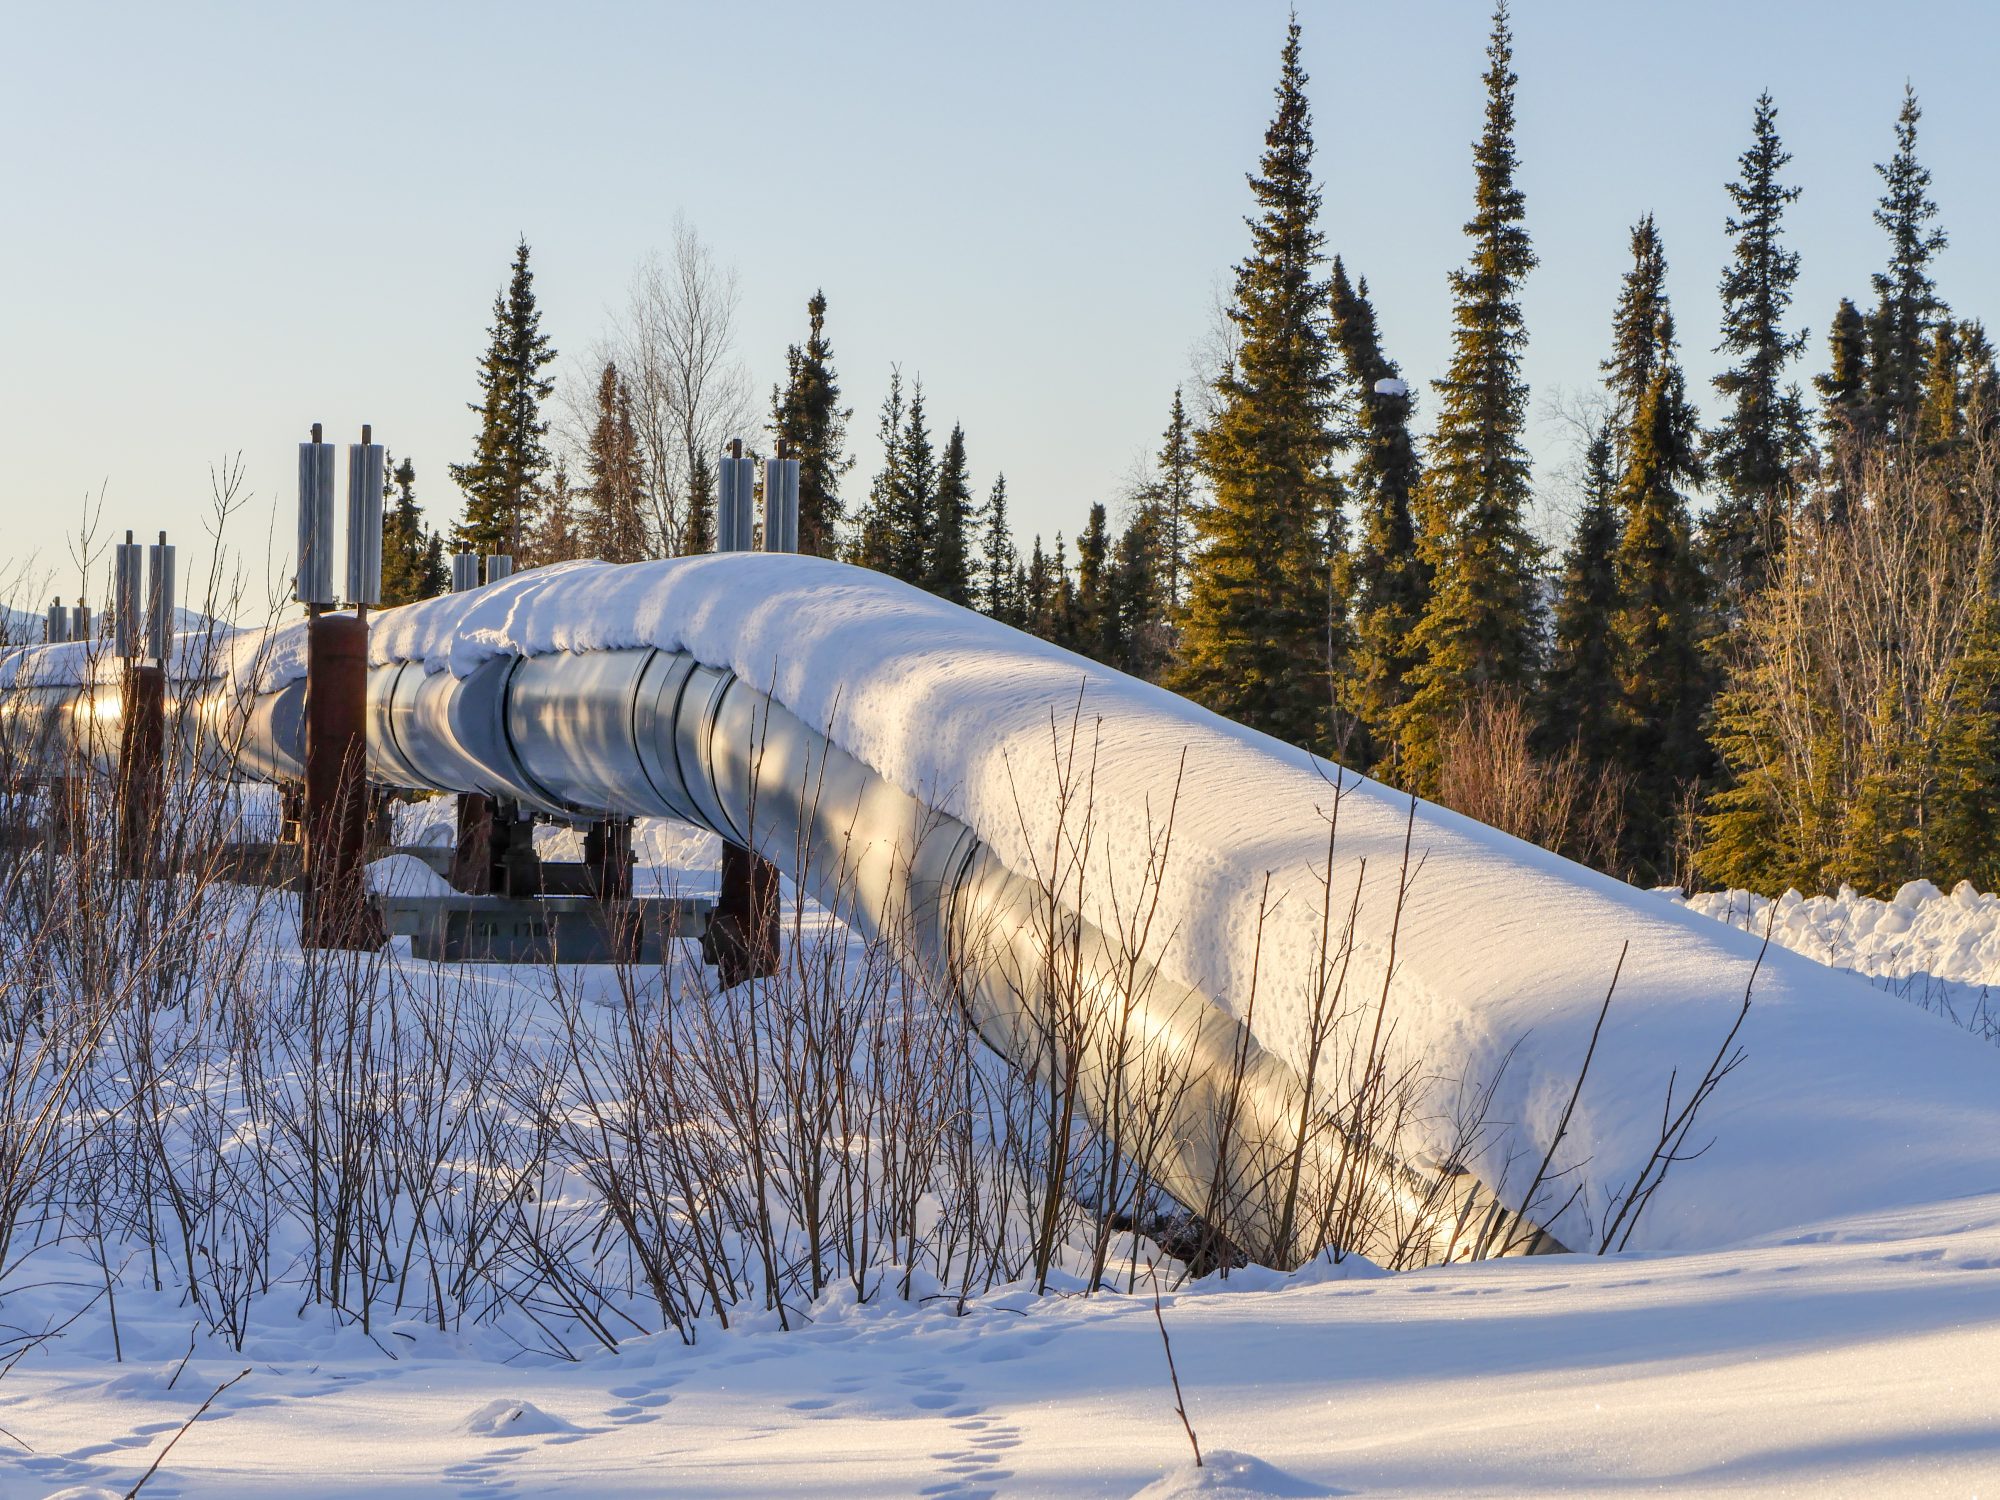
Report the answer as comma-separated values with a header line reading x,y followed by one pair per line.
x,y
1093,628
1580,692
1966,839
1261,630
875,541
1173,499
1136,634
1061,622
1037,593
613,526
1388,582
510,454
950,570
1846,416
1907,301
1763,433
698,526
1635,328
999,564
912,539
1479,630
413,565
806,415
1661,591
558,536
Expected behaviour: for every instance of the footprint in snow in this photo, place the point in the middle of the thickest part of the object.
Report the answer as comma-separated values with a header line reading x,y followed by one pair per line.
x,y
971,1471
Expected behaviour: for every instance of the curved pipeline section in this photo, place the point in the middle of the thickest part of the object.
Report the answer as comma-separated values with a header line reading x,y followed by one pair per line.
x,y
894,752
1213,1118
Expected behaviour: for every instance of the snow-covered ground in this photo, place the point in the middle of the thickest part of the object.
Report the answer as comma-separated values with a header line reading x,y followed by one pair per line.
x,y
1852,1359
1858,1356
1939,951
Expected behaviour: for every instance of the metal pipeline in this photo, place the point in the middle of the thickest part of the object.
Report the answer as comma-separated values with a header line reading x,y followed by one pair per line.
x,y
1219,1123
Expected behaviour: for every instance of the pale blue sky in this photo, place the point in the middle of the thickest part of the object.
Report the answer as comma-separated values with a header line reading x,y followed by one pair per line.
x,y
226,221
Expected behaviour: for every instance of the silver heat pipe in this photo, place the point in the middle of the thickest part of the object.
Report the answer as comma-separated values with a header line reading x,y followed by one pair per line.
x,y
1218,1122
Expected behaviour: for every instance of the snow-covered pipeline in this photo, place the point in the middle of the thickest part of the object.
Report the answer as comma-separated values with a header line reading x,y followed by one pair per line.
x,y
1008,748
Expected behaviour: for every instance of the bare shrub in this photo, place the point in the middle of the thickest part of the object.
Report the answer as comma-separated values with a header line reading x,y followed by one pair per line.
x,y
1490,771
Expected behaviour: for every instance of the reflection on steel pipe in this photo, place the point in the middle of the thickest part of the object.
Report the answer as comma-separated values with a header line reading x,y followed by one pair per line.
x,y
644,732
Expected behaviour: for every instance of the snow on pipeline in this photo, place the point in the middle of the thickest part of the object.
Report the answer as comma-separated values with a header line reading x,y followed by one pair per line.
x,y
1846,1100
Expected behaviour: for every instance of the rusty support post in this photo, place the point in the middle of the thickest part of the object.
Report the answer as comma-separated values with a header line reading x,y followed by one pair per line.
x,y
142,761
381,821
69,812
517,869
334,907
607,859
472,853
291,813
742,935
607,852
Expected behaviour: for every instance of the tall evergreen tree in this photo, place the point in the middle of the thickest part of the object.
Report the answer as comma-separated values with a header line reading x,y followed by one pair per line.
x,y
1038,593
1907,301
1635,334
413,565
1663,677
1261,632
510,454
613,526
1582,687
1846,417
1136,635
806,416
1388,582
1061,624
1763,433
950,572
558,536
1093,625
999,564
913,501
1479,630
698,526
1173,499
875,545
1967,836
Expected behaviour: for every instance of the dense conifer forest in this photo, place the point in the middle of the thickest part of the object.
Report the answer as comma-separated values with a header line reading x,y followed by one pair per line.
x,y
1767,653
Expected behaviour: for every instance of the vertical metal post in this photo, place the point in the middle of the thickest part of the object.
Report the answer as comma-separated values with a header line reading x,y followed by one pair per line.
x,y
128,579
314,583
607,855
781,502
334,909
365,461
142,763
607,852
159,600
471,854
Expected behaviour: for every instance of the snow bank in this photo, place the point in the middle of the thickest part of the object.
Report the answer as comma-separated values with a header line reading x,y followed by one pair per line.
x,y
1919,933
1846,1100
1224,1475
511,1418
405,875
